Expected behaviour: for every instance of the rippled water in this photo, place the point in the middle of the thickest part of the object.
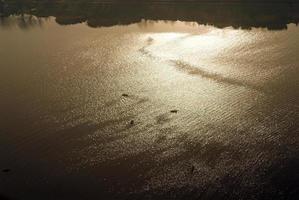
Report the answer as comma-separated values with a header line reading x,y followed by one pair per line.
x,y
69,95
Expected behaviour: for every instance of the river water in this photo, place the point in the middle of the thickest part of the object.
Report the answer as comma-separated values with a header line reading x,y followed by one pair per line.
x,y
153,109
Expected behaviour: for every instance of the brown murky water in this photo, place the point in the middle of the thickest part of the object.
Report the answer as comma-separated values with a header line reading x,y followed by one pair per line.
x,y
155,109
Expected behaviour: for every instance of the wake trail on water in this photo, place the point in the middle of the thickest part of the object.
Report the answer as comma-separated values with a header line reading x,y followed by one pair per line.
x,y
190,69
194,70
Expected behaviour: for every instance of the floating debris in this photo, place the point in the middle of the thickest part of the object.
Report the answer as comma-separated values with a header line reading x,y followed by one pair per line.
x,y
192,169
174,111
150,40
132,122
125,95
6,170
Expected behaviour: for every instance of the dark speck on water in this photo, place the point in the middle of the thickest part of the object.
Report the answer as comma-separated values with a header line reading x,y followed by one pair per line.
x,y
132,122
6,170
174,111
125,95
192,169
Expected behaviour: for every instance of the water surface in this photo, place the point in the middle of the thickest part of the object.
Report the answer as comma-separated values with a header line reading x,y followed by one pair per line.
x,y
214,108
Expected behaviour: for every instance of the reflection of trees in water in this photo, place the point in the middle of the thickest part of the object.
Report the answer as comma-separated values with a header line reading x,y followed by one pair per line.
x,y
144,23
150,23
22,21
104,13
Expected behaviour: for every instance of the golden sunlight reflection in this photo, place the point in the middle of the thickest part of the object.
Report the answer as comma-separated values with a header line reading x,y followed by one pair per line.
x,y
181,54
196,45
153,101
